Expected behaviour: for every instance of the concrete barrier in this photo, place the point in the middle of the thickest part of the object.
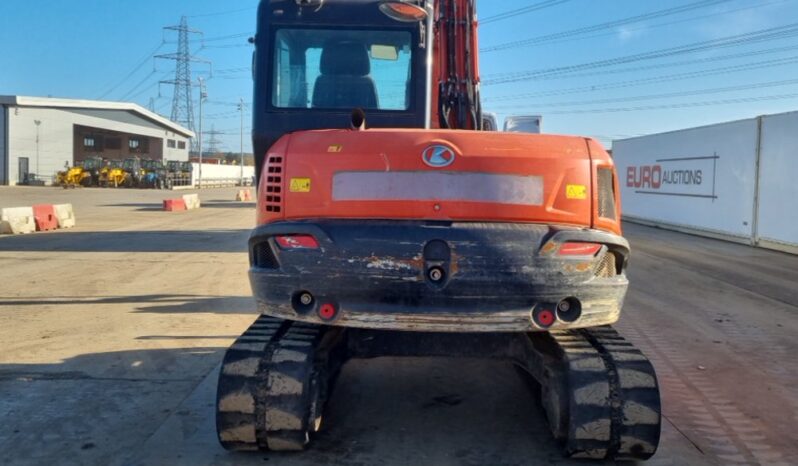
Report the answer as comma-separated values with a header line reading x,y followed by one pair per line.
x,y
44,215
65,215
172,205
17,220
192,201
244,195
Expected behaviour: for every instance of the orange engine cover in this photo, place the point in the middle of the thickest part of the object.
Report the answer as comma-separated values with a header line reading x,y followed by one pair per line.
x,y
434,175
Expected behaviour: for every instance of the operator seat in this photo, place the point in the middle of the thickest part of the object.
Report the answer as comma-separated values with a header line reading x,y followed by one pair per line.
x,y
344,81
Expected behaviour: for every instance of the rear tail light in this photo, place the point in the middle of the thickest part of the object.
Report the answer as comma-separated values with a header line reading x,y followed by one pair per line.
x,y
297,242
327,312
543,317
579,249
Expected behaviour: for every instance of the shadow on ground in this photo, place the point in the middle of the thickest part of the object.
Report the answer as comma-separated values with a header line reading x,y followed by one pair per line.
x,y
228,205
157,407
94,408
131,241
156,303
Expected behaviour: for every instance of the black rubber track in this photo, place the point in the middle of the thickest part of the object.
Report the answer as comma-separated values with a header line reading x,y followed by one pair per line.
x,y
613,408
272,386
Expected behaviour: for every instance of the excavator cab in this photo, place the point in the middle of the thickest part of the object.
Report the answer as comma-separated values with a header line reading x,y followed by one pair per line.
x,y
317,61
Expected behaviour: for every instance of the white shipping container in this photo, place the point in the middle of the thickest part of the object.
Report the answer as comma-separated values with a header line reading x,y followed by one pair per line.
x,y
778,188
700,178
733,180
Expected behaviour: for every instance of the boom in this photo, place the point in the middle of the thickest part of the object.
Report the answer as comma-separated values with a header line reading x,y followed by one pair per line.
x,y
456,68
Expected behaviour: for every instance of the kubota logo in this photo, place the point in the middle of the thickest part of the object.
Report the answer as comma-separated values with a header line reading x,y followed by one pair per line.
x,y
438,156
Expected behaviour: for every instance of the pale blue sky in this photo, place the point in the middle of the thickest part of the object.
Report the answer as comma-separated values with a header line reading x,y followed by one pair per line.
x,y
90,49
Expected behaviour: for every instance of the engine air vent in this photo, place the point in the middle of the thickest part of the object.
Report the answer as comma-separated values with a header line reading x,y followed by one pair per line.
x,y
607,266
274,184
606,194
263,256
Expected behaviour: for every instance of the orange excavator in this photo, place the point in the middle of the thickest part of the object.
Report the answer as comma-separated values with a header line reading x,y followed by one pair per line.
x,y
390,224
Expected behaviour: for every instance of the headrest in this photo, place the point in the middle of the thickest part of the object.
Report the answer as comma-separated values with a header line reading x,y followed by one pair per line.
x,y
345,58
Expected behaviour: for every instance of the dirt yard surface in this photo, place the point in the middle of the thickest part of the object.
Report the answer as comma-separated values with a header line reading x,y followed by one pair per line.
x,y
111,336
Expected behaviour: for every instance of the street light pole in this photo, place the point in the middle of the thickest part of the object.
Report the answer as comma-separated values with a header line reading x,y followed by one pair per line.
x,y
241,109
37,123
203,95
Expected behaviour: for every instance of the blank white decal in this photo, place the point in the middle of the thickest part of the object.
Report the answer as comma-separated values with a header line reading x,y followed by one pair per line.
x,y
438,186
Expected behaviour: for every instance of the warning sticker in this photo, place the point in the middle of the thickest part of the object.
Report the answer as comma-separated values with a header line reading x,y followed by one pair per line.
x,y
335,148
300,185
576,191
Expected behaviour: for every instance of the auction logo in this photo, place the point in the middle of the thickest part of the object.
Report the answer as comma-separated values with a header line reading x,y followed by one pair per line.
x,y
685,176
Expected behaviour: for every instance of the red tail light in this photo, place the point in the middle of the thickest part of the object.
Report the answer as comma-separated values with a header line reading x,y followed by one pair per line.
x,y
297,242
579,249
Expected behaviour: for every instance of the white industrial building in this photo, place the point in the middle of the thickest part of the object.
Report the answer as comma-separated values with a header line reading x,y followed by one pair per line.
x,y
732,180
41,135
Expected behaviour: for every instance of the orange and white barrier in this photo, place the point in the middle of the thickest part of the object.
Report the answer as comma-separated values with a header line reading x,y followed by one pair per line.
x,y
174,205
44,216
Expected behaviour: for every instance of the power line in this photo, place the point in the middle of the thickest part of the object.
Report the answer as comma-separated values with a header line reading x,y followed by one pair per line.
x,y
140,83
677,106
780,32
668,95
231,70
692,74
217,116
131,73
218,38
774,33
520,11
229,104
548,40
147,89
234,77
221,13
674,77
655,66
606,25
227,37
227,46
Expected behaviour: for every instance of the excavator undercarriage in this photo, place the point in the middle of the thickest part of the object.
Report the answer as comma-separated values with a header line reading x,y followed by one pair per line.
x,y
600,394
